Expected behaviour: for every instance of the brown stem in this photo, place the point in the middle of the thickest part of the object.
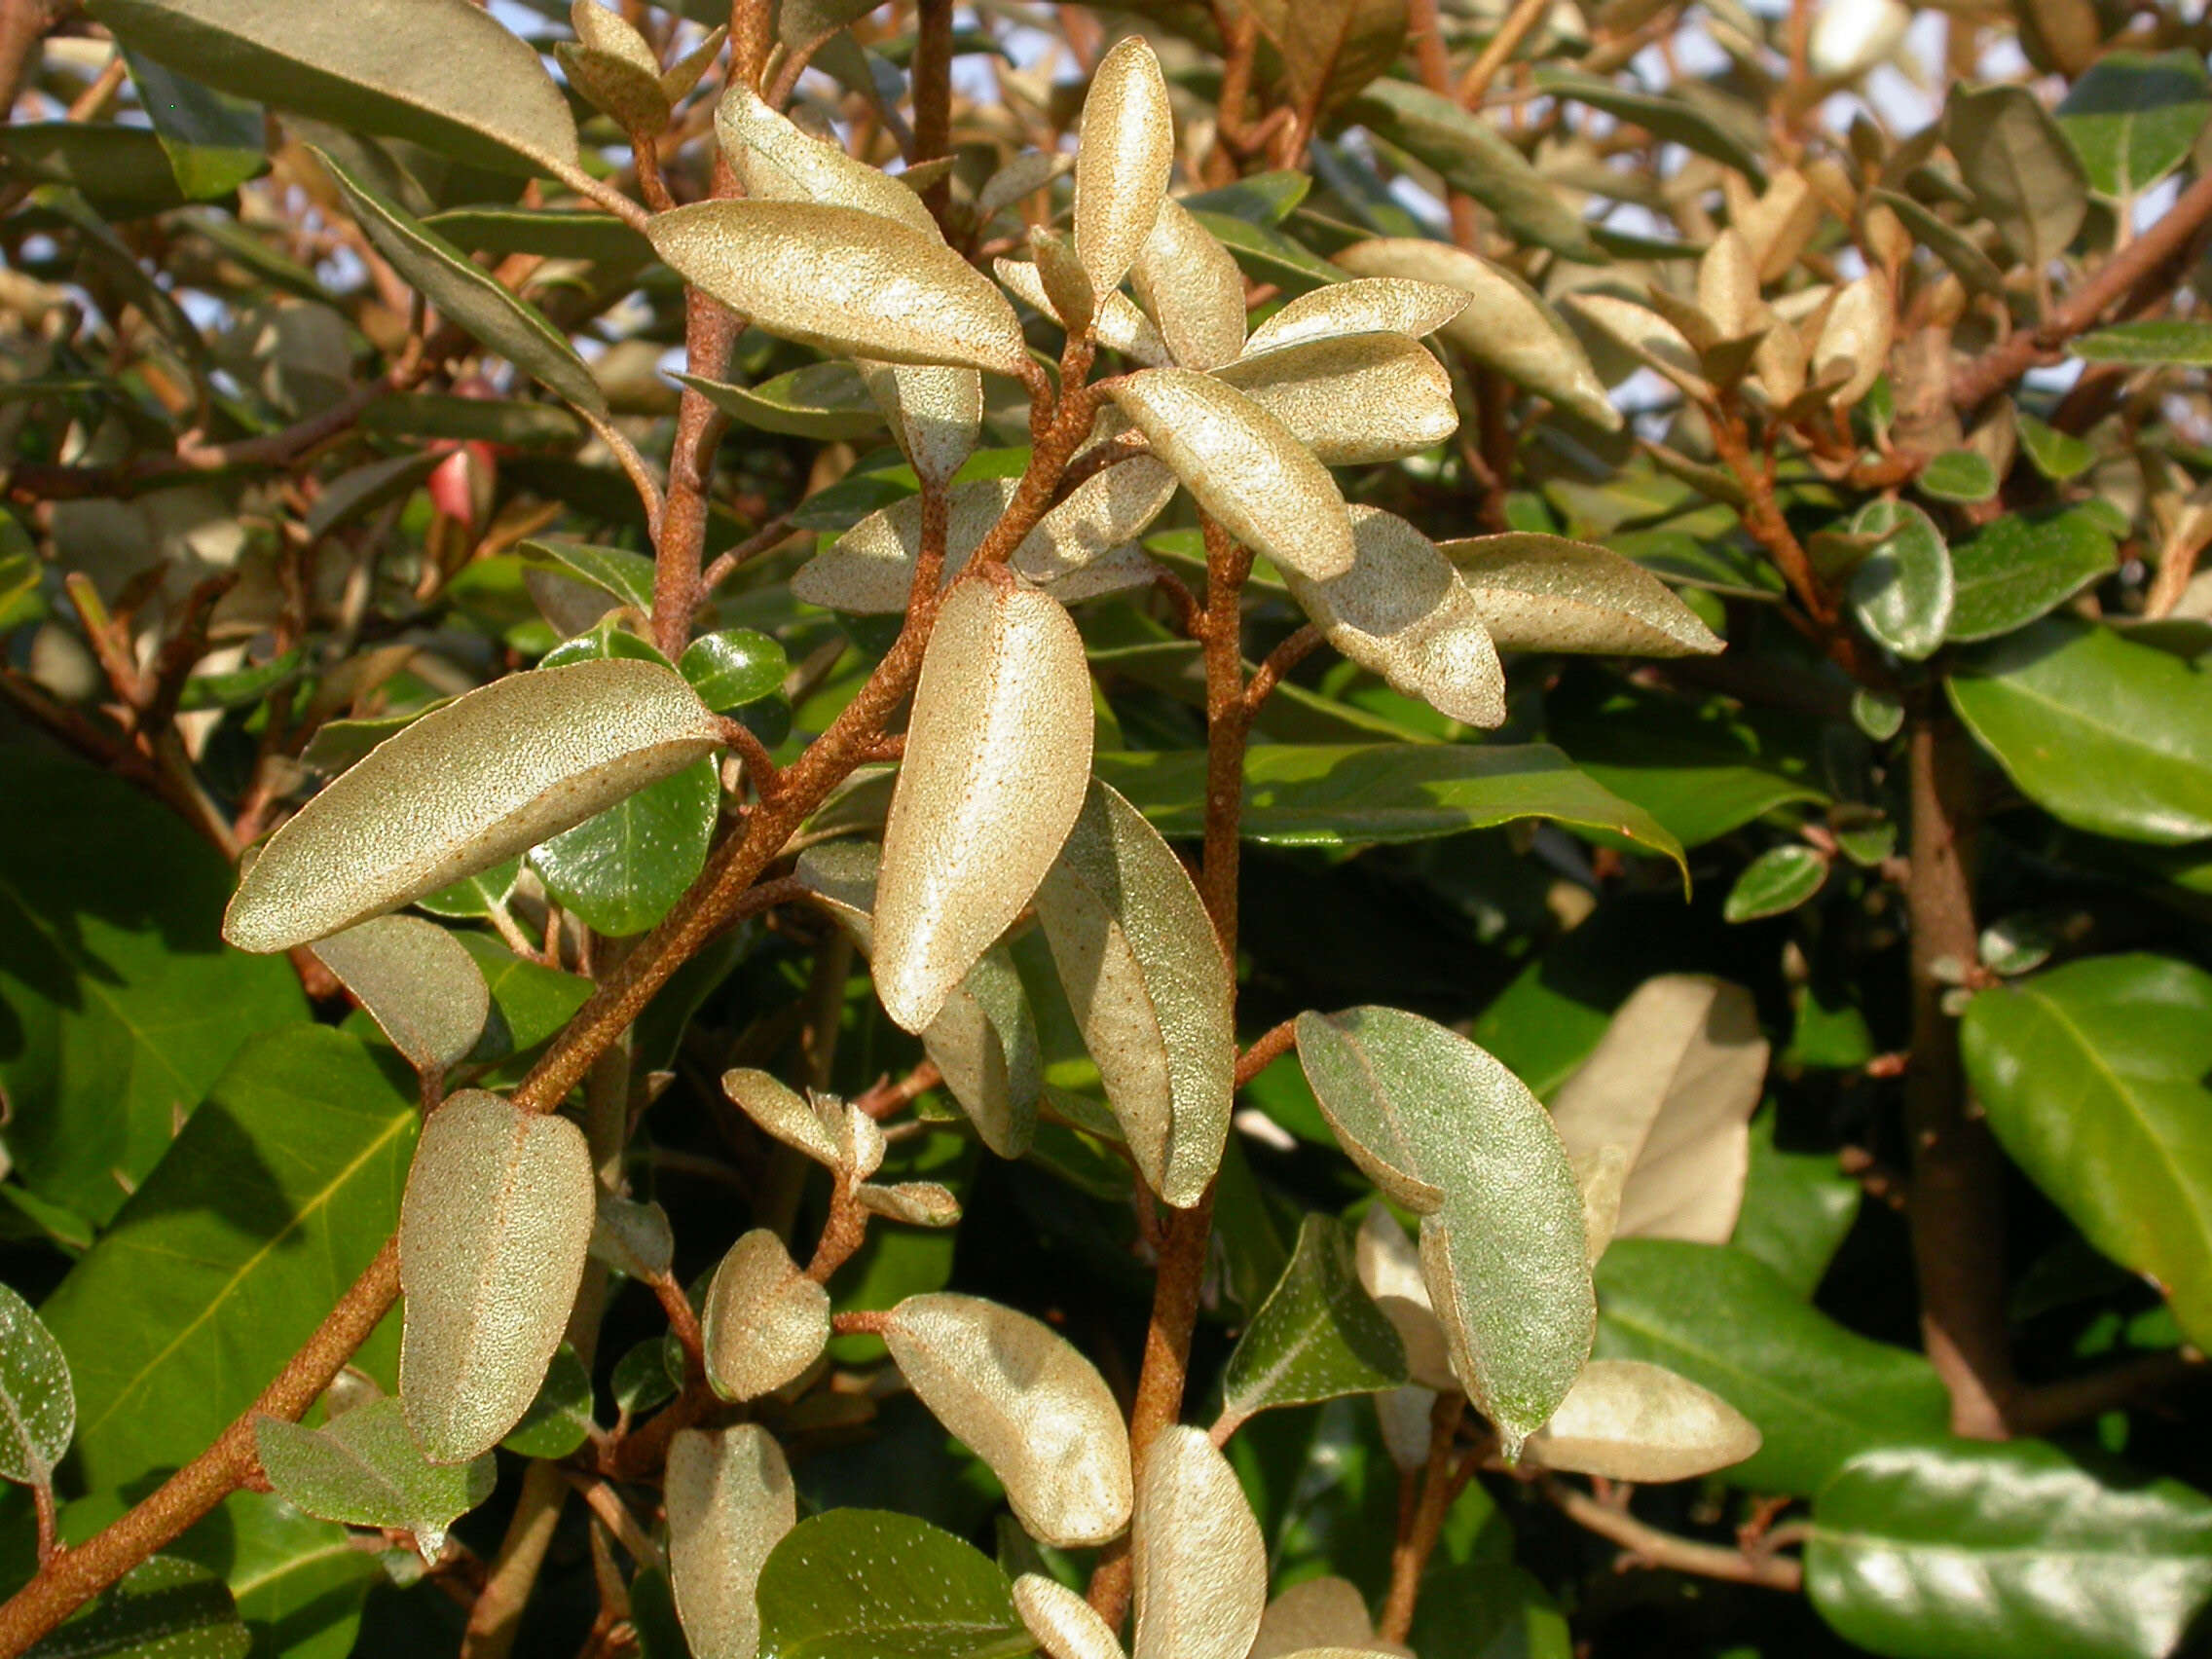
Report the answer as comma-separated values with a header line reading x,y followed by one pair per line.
x,y
1956,1213
82,1573
1499,49
1279,662
2005,362
2055,1406
680,538
1648,1546
1187,1234
1267,1049
932,73
495,1620
615,1515
22,26
768,537
842,1235
1441,1484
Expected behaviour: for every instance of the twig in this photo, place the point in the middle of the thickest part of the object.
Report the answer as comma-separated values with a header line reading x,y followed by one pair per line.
x,y
495,1620
2003,363
766,539
1501,48
1422,1522
1649,1546
615,1515
1268,1047
1279,662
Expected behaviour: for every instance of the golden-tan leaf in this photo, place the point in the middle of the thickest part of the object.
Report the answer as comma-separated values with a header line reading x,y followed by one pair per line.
x,y
1193,288
1123,154
1353,399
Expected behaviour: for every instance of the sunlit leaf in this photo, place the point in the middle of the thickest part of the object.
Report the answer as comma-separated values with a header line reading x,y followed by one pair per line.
x,y
1124,151
38,1406
1504,325
873,1584
765,1322
493,1233
1201,1566
542,751
997,758
1546,593
1403,612
1027,1403
1246,466
1064,1624
776,162
844,281
1149,988
1628,1420
365,1469
731,1501
1193,290
1381,302
1903,591
1317,1335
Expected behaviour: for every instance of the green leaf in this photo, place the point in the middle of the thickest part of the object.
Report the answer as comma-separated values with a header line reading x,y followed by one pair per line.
x,y
1263,198
164,1608
2158,340
2133,117
1778,880
2058,456
1673,119
487,420
1317,1335
2006,1552
560,1418
2021,566
242,687
1149,988
1954,247
122,171
1489,1610
1798,1208
627,576
622,871
2094,1079
822,400
38,1412
1266,254
214,143
1902,591
530,1001
1349,795
417,982
1958,475
474,896
1473,156
1450,1133
443,73
871,1585
733,667
2023,174
550,233
299,1582
2104,734
1330,49
124,1005
278,1191
467,295
366,1470
1700,770
1818,1393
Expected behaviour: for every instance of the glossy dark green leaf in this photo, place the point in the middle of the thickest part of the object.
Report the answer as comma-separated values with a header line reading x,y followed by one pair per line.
x,y
2101,732
2134,115
1347,795
1958,475
1817,1392
622,871
530,1001
365,1469
1450,1133
466,294
733,667
1473,156
242,686
443,73
278,1193
164,1608
1700,769
2094,1075
2022,566
871,1584
1798,1208
560,1418
2158,340
1317,1335
1778,879
122,1007
299,1582
38,1410
1903,591
2006,1552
